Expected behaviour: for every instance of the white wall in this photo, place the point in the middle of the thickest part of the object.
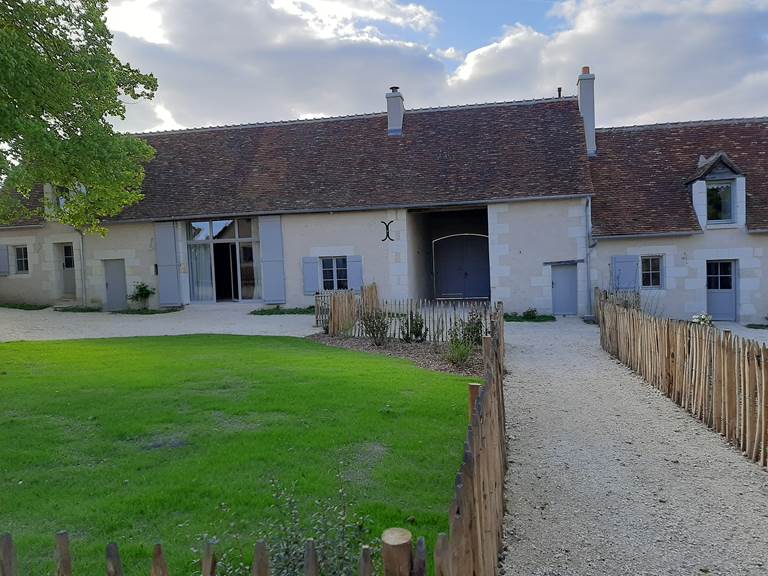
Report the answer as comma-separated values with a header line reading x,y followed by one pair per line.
x,y
133,243
347,234
684,290
523,237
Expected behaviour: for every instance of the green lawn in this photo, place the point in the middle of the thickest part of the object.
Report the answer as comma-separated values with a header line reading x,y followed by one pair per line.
x,y
139,440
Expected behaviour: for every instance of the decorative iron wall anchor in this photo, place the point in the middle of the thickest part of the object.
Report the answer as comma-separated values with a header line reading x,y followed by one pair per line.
x,y
386,231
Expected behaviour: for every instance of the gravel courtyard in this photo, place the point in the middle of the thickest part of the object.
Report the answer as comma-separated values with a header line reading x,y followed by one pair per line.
x,y
607,476
222,318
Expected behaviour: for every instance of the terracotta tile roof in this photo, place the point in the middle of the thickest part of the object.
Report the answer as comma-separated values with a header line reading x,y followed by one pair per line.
x,y
640,173
449,155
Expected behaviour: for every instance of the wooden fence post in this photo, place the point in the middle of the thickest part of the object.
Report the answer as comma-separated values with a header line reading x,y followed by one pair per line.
x,y
396,552
8,565
442,556
260,560
474,392
63,557
366,561
311,564
114,565
209,560
420,559
159,565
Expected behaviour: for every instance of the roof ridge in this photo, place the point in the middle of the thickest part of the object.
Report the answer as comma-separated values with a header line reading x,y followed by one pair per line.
x,y
684,123
214,128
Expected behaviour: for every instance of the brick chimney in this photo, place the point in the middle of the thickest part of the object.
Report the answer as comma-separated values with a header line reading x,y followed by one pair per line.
x,y
586,91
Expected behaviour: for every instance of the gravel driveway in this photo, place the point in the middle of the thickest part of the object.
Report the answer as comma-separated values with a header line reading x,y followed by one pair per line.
x,y
607,476
222,318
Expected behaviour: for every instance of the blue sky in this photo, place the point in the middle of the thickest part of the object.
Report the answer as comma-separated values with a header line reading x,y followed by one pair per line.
x,y
236,61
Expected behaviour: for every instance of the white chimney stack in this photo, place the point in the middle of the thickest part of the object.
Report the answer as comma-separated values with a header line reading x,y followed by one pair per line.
x,y
395,112
586,89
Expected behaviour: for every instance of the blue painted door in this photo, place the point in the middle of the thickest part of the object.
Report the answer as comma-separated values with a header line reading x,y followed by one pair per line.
x,y
564,289
721,289
461,265
117,291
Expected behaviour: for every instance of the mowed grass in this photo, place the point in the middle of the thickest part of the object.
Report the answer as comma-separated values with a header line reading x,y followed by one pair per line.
x,y
144,440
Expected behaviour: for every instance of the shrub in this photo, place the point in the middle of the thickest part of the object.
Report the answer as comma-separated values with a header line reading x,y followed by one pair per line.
x,y
338,533
473,328
458,352
141,294
376,326
413,329
530,314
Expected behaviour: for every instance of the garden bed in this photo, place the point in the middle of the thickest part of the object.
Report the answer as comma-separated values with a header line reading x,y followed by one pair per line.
x,y
424,354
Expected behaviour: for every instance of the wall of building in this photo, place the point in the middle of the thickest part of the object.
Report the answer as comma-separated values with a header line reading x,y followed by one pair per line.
x,y
524,238
133,243
684,290
347,234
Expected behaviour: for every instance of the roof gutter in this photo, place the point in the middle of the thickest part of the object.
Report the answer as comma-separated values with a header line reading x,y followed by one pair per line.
x,y
351,209
647,235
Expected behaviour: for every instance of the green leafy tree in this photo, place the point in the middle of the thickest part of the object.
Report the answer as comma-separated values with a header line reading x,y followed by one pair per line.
x,y
60,87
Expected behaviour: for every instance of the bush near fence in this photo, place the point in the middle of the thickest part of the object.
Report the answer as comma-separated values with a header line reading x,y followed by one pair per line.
x,y
719,378
472,544
340,313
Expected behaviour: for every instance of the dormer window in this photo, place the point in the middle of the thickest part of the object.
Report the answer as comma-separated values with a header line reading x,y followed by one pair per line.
x,y
720,200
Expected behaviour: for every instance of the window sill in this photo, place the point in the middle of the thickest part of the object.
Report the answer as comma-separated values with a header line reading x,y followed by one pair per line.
x,y
723,225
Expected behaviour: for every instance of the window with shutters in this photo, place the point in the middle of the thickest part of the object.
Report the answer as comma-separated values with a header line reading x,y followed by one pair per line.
x,y
22,259
334,272
650,276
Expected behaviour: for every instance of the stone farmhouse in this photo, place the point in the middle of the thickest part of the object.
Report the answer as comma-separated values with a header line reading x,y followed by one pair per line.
x,y
525,202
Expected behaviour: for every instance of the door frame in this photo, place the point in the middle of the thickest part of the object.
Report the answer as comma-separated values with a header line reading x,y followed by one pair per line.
x,y
734,285
434,267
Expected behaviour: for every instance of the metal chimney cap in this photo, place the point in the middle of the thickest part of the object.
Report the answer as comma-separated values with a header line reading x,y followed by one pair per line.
x,y
394,88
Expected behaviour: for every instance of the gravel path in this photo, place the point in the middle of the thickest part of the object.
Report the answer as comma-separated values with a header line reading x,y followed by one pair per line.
x,y
607,476
222,318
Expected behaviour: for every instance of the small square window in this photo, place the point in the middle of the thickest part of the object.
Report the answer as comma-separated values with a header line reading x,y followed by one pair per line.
x,y
22,260
334,269
651,271
199,231
720,202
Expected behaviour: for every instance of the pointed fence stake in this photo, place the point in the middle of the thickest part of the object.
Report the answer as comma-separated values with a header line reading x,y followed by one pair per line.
x,y
63,556
420,559
311,564
159,565
366,562
209,560
114,565
260,560
8,566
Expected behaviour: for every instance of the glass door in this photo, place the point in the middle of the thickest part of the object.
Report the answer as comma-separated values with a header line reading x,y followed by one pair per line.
x,y
200,273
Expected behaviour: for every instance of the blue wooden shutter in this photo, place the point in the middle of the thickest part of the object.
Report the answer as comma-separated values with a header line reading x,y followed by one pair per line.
x,y
355,272
310,270
5,266
272,268
625,273
168,283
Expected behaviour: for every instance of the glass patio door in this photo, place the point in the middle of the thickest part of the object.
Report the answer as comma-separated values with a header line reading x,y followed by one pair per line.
x,y
200,273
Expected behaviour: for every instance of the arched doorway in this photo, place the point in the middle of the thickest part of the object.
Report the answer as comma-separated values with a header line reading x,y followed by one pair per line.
x,y
461,267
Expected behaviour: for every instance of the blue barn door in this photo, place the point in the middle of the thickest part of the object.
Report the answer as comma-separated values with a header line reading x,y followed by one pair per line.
x,y
461,266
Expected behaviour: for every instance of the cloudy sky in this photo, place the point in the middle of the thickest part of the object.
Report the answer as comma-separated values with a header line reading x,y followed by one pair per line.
x,y
234,61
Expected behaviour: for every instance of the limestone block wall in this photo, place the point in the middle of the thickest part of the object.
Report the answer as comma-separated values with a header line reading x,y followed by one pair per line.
x,y
525,238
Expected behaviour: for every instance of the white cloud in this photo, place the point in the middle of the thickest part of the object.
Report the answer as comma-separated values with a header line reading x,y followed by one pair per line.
x,y
137,18
254,60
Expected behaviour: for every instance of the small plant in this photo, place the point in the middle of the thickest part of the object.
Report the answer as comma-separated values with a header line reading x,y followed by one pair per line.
x,y
413,329
473,328
458,352
141,294
703,319
530,314
338,533
376,326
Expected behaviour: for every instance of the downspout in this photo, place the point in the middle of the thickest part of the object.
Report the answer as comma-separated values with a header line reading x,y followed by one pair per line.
x,y
588,238
82,268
